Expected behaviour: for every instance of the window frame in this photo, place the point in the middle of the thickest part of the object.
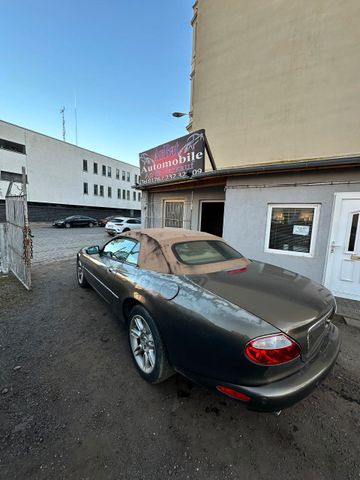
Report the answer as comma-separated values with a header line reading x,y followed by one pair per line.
x,y
172,200
315,225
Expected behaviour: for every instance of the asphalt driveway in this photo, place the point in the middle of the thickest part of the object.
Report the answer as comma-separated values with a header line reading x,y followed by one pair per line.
x,y
72,405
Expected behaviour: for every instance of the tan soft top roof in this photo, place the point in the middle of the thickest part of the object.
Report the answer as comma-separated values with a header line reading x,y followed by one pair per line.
x,y
156,251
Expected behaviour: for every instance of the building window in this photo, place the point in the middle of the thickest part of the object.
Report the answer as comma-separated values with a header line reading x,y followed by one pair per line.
x,y
12,146
136,179
123,175
117,174
134,196
173,214
104,170
101,190
95,168
95,189
127,194
124,194
109,171
128,176
139,196
119,192
291,229
109,191
85,165
86,189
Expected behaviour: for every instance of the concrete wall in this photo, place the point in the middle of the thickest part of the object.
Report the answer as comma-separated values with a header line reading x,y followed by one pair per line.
x,y
55,171
276,79
246,209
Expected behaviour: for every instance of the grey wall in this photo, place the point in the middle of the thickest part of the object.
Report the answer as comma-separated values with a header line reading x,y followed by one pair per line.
x,y
246,209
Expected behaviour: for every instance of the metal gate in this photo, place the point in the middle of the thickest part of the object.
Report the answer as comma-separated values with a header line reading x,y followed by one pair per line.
x,y
18,235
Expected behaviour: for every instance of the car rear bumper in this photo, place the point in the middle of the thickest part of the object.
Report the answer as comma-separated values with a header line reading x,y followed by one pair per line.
x,y
288,391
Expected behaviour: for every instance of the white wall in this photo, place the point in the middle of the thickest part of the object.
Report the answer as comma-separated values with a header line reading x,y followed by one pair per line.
x,y
55,171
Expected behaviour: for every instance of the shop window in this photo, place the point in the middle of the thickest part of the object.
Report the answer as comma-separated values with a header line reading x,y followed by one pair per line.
x,y
291,229
173,214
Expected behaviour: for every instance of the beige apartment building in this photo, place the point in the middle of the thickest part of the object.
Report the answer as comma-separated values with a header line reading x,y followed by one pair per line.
x,y
275,85
276,80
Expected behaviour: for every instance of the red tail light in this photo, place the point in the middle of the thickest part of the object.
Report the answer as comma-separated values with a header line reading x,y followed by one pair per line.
x,y
233,393
272,349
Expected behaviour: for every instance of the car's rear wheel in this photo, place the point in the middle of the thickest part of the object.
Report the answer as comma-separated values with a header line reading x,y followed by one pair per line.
x,y
81,275
67,225
147,347
91,224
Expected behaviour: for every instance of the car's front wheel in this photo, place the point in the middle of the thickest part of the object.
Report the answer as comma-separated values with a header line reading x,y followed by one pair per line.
x,y
147,347
91,224
67,225
83,283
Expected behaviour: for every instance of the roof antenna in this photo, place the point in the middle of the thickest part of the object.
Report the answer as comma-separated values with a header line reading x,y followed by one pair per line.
x,y
76,124
62,111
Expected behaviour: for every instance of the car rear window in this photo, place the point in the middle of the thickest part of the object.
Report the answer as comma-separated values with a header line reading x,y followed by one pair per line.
x,y
200,252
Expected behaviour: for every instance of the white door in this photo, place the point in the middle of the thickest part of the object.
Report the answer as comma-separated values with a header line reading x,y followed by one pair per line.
x,y
342,275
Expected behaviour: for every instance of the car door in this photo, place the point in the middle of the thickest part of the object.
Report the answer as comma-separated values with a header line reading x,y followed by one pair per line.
x,y
125,271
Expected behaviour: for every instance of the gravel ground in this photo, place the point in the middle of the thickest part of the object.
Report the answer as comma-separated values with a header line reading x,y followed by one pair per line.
x,y
72,406
54,244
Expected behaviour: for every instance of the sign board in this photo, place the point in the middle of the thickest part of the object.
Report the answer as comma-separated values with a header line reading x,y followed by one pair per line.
x,y
177,159
301,230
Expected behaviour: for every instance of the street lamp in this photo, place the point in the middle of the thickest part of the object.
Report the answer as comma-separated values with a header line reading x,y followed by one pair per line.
x,y
179,114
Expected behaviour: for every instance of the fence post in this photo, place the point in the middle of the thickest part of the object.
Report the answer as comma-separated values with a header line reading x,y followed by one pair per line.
x,y
4,263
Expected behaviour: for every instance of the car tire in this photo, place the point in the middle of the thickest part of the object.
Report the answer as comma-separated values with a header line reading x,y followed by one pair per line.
x,y
147,347
91,224
80,275
67,225
126,230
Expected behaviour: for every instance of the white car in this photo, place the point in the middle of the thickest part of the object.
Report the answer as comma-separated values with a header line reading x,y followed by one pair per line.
x,y
122,224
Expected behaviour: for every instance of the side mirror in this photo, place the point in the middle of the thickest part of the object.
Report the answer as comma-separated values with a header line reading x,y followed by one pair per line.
x,y
93,250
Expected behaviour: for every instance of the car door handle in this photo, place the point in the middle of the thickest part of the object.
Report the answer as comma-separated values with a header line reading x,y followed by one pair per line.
x,y
110,270
355,257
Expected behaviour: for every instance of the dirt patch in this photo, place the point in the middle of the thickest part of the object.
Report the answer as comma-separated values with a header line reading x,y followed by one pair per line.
x,y
74,406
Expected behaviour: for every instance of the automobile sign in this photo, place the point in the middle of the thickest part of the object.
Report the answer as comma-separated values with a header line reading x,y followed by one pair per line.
x,y
177,159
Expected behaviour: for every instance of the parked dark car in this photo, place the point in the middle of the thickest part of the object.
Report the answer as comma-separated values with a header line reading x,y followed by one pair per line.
x,y
192,304
75,221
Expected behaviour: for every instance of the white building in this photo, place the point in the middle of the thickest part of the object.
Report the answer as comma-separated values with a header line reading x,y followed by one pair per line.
x,y
65,179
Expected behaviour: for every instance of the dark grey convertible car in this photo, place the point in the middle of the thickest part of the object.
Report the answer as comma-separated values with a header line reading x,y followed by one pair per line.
x,y
193,304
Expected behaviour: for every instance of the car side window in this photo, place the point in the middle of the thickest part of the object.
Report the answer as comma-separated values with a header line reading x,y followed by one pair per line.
x,y
134,254
122,249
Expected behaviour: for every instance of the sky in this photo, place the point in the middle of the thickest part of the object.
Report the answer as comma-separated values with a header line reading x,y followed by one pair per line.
x,y
127,62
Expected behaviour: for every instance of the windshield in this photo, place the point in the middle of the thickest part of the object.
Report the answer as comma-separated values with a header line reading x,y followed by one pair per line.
x,y
200,252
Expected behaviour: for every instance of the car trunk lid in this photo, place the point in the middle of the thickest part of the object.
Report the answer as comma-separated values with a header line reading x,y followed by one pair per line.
x,y
294,304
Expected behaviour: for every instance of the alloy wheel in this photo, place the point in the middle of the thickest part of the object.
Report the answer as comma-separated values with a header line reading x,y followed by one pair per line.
x,y
142,344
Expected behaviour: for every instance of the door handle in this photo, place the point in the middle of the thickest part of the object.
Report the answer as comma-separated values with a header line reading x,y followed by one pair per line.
x,y
110,270
355,257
